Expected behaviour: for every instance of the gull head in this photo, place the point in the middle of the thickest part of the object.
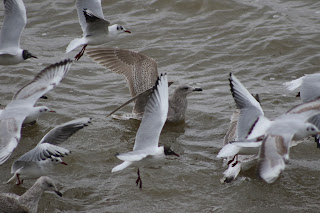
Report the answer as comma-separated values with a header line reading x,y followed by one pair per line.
x,y
185,89
168,151
116,29
41,109
58,160
26,54
311,129
47,184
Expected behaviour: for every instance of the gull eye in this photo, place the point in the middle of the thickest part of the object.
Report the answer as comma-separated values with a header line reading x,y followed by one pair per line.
x,y
121,28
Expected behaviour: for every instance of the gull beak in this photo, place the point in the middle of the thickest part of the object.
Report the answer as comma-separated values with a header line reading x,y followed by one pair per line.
x,y
51,111
58,193
197,89
64,163
173,153
32,56
127,31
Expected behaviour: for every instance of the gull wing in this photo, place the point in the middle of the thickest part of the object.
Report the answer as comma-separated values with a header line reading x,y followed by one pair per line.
x,y
10,128
94,6
250,109
95,25
139,70
62,132
43,82
15,19
17,110
273,153
154,117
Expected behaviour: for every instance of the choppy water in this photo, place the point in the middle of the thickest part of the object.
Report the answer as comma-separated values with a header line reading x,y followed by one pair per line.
x,y
265,43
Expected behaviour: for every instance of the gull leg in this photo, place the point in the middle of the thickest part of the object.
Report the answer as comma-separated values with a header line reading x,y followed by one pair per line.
x,y
230,161
19,182
139,179
235,163
78,56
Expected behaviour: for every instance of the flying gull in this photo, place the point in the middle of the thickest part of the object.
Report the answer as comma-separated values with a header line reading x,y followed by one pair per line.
x,y
247,112
140,72
15,20
146,150
96,30
42,159
28,202
309,90
22,105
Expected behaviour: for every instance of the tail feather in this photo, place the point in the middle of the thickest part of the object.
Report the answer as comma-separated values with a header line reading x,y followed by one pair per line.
x,y
122,166
13,178
75,43
294,84
228,150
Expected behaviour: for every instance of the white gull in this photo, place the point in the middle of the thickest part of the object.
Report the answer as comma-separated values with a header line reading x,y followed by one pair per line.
x,y
22,105
146,150
42,159
15,19
96,30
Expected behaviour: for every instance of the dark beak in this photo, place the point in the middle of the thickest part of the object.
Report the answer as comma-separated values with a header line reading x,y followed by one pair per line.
x,y
197,89
32,56
58,193
64,163
127,31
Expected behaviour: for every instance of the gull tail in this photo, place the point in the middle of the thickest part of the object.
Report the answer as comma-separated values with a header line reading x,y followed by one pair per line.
x,y
228,150
294,84
121,166
232,172
12,179
75,43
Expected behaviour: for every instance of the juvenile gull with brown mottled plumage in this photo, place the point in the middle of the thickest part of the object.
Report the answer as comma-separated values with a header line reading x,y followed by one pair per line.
x,y
141,72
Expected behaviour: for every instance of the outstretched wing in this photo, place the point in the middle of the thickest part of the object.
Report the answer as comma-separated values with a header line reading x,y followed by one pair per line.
x,y
62,132
43,82
250,109
273,153
154,117
94,6
139,70
15,19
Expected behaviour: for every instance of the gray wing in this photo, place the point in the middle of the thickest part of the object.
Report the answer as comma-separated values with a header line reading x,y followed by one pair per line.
x,y
154,117
250,108
62,132
47,147
43,82
15,19
139,70
39,153
95,25
94,6
273,153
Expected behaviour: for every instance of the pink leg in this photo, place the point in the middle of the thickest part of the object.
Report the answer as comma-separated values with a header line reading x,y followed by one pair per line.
x,y
78,56
19,181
